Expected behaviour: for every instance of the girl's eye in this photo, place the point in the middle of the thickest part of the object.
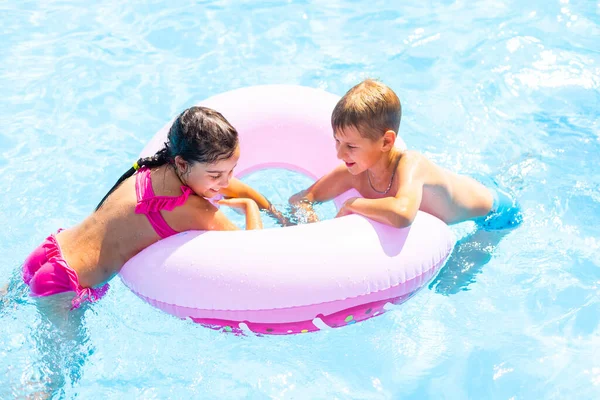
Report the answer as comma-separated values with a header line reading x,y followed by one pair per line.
x,y
351,147
215,176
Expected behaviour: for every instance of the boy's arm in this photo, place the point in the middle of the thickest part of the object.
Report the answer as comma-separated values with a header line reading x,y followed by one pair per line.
x,y
326,188
398,211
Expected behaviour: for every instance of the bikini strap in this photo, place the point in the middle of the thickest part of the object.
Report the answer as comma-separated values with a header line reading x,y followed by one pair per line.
x,y
149,202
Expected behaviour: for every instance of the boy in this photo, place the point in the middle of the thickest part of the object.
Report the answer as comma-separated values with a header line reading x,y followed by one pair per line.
x,y
396,183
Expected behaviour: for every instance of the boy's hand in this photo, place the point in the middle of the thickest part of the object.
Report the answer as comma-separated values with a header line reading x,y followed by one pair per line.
x,y
305,214
297,198
346,208
302,209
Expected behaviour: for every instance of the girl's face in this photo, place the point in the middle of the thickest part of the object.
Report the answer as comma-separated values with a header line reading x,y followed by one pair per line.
x,y
205,179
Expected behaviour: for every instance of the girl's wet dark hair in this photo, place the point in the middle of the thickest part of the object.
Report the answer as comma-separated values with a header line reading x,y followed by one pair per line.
x,y
199,134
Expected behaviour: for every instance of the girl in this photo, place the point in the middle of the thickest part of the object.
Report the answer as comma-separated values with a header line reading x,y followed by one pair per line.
x,y
156,198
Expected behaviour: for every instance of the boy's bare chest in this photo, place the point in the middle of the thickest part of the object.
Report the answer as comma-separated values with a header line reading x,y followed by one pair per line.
x,y
375,190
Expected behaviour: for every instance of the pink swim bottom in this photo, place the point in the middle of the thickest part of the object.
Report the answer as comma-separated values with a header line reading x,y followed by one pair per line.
x,y
47,273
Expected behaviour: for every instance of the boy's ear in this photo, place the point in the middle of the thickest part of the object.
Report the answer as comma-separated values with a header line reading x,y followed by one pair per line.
x,y
389,138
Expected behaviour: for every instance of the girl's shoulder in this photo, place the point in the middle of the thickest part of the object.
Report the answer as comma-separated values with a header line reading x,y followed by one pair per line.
x,y
198,213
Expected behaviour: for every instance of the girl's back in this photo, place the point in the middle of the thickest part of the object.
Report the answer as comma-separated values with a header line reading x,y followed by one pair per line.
x,y
99,246
156,198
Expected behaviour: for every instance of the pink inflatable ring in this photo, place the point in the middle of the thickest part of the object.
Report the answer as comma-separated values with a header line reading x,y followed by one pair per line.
x,y
286,280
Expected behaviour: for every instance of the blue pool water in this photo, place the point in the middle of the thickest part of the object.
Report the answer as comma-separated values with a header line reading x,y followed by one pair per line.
x,y
505,88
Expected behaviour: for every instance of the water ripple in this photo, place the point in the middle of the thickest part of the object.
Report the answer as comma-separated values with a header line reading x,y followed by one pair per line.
x,y
502,88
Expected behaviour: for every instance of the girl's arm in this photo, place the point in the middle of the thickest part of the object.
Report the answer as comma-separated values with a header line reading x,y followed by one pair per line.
x,y
238,189
250,207
199,214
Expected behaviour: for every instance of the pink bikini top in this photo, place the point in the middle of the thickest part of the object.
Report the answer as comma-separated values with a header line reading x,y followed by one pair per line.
x,y
150,204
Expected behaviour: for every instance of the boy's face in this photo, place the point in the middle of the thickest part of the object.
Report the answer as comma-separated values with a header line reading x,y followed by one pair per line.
x,y
359,153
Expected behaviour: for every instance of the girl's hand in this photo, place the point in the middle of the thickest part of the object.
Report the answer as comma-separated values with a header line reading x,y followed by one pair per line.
x,y
238,203
249,206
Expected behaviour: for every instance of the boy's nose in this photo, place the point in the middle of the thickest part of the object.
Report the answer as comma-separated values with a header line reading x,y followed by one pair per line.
x,y
340,154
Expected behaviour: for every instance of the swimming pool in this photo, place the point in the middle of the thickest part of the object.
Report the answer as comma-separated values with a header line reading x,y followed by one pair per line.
x,y
501,88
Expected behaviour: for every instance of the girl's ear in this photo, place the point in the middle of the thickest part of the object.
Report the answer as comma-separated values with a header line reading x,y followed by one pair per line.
x,y
389,138
181,164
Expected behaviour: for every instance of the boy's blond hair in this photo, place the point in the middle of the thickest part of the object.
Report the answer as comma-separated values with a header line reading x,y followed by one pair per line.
x,y
371,107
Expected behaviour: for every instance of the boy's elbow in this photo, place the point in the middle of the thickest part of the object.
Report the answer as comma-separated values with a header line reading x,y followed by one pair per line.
x,y
401,222
401,219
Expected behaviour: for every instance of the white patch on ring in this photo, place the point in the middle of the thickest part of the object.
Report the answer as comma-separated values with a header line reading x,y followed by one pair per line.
x,y
244,327
318,322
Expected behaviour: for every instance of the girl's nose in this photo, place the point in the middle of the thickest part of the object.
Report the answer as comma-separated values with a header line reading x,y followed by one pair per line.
x,y
227,178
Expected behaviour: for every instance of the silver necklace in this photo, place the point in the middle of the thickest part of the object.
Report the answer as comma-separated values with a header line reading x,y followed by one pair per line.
x,y
391,180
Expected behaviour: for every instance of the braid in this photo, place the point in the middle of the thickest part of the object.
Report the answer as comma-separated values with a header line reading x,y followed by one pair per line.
x,y
160,158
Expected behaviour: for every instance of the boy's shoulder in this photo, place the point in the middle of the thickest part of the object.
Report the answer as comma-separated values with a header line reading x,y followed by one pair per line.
x,y
412,163
410,158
